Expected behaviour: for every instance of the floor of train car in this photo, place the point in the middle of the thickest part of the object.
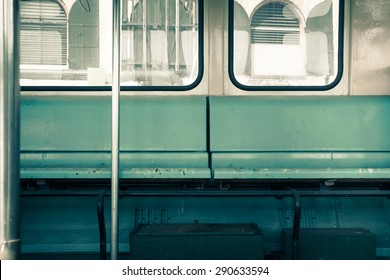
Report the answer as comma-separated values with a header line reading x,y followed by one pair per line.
x,y
64,257
94,257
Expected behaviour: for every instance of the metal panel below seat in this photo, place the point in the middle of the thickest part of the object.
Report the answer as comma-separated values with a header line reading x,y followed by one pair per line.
x,y
331,244
196,242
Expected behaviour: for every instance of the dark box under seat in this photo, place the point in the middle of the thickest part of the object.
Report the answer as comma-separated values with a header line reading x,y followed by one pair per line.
x,y
331,244
196,242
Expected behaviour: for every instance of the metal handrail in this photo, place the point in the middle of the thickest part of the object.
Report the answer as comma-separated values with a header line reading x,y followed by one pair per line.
x,y
9,130
116,67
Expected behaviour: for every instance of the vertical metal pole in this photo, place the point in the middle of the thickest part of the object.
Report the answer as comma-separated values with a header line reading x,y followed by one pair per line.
x,y
9,130
116,71
144,29
167,30
177,35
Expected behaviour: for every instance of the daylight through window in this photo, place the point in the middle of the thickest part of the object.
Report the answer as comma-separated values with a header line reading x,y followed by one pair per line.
x,y
69,42
285,43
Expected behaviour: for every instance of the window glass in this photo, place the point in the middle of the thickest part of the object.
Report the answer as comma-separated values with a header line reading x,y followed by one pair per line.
x,y
160,42
285,43
43,34
69,42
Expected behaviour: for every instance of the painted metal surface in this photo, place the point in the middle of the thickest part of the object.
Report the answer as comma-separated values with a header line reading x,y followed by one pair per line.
x,y
348,133
370,44
296,173
9,131
302,160
289,124
285,137
124,173
300,137
351,244
92,165
216,12
83,124
68,137
102,160
68,224
301,165
196,242
115,125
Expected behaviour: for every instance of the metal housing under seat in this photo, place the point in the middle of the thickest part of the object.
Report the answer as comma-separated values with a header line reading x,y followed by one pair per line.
x,y
197,242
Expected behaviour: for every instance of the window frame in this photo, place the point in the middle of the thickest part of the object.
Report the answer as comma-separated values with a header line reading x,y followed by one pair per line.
x,y
124,89
340,58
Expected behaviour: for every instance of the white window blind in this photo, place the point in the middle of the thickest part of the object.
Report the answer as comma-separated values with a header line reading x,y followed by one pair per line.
x,y
43,33
275,23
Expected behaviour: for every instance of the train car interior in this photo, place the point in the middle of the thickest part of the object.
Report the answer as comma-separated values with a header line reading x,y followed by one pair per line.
x,y
195,129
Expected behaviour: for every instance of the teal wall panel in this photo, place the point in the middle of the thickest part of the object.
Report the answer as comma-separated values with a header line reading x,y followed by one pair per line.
x,y
65,124
163,123
70,137
84,124
294,123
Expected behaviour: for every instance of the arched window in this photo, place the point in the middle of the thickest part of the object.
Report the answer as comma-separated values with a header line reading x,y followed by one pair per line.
x,y
277,48
160,42
292,44
43,33
275,23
